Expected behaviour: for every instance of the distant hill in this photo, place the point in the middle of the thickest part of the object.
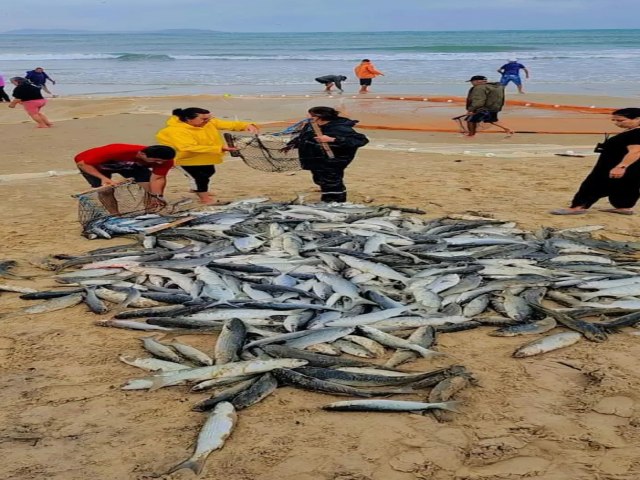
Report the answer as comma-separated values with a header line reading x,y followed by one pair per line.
x,y
184,30
38,31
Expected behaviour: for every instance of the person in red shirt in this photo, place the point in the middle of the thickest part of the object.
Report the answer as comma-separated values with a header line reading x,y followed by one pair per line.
x,y
146,165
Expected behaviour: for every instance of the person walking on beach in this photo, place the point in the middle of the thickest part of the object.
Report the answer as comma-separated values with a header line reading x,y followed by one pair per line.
x,y
326,145
616,174
147,165
484,101
330,80
196,137
31,99
365,71
39,78
3,95
511,73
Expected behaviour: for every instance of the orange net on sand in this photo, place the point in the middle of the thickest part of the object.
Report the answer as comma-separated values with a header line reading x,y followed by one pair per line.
x,y
435,114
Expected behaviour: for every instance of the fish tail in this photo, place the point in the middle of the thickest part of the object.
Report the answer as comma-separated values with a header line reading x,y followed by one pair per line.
x,y
157,384
196,465
451,406
361,301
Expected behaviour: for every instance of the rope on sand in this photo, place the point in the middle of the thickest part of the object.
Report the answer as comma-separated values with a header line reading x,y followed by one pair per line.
x,y
520,103
28,176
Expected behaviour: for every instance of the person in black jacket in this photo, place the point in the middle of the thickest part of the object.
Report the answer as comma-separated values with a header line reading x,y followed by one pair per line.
x,y
330,80
327,155
616,174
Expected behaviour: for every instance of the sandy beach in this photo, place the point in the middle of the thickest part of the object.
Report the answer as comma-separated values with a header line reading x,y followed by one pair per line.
x,y
573,414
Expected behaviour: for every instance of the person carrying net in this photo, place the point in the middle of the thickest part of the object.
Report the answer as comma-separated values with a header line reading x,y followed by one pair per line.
x,y
195,135
326,145
148,166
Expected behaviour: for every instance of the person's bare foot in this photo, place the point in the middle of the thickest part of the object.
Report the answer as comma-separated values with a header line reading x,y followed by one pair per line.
x,y
620,211
205,198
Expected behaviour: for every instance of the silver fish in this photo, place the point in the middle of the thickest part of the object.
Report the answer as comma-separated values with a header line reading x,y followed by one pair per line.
x,y
235,369
192,353
160,350
217,428
388,406
547,344
539,326
230,341
55,304
153,364
396,342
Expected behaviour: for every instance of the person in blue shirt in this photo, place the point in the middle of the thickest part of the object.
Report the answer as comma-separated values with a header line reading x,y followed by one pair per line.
x,y
39,78
511,73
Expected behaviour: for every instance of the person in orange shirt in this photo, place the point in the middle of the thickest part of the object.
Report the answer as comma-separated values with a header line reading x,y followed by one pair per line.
x,y
366,72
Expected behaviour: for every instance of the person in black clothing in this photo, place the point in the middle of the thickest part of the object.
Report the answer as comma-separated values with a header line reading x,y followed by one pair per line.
x,y
3,95
30,97
337,136
330,80
616,174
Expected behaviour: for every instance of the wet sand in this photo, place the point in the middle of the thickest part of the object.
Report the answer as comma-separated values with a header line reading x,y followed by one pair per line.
x,y
62,415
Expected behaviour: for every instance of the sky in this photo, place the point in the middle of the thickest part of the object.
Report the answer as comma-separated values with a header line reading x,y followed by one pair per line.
x,y
318,16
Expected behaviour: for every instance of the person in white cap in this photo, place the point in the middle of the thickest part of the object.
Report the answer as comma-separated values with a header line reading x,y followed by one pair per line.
x,y
511,73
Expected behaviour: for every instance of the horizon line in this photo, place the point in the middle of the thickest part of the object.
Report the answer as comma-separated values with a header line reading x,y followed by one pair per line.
x,y
65,31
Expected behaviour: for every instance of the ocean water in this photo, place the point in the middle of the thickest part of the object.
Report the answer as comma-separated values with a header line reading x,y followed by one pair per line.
x,y
596,62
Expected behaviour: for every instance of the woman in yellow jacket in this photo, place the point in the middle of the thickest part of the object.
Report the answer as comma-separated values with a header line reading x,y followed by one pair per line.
x,y
194,135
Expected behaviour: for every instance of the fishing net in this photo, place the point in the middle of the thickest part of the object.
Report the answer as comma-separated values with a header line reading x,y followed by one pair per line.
x,y
128,198
267,153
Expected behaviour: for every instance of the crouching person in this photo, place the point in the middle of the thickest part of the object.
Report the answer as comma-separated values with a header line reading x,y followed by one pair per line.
x,y
146,165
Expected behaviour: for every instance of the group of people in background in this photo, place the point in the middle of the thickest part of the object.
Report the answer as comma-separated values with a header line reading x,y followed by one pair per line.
x,y
28,93
326,144
365,72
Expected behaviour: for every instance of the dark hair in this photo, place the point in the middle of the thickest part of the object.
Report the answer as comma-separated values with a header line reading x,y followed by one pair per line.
x,y
343,77
19,80
160,152
366,60
188,113
630,113
324,113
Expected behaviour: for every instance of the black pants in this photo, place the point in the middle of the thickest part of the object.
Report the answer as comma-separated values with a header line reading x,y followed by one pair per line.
x,y
622,192
331,183
3,95
199,176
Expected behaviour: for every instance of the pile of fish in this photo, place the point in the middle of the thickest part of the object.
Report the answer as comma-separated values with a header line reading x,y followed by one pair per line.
x,y
289,288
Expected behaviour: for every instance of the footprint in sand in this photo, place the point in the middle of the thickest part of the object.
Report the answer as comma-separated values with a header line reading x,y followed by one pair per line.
x,y
517,466
7,345
616,405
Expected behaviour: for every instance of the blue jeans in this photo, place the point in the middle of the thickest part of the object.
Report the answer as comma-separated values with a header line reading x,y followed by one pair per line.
x,y
504,81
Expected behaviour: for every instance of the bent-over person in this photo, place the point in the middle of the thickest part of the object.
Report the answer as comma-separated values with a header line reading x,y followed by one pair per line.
x,y
148,166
